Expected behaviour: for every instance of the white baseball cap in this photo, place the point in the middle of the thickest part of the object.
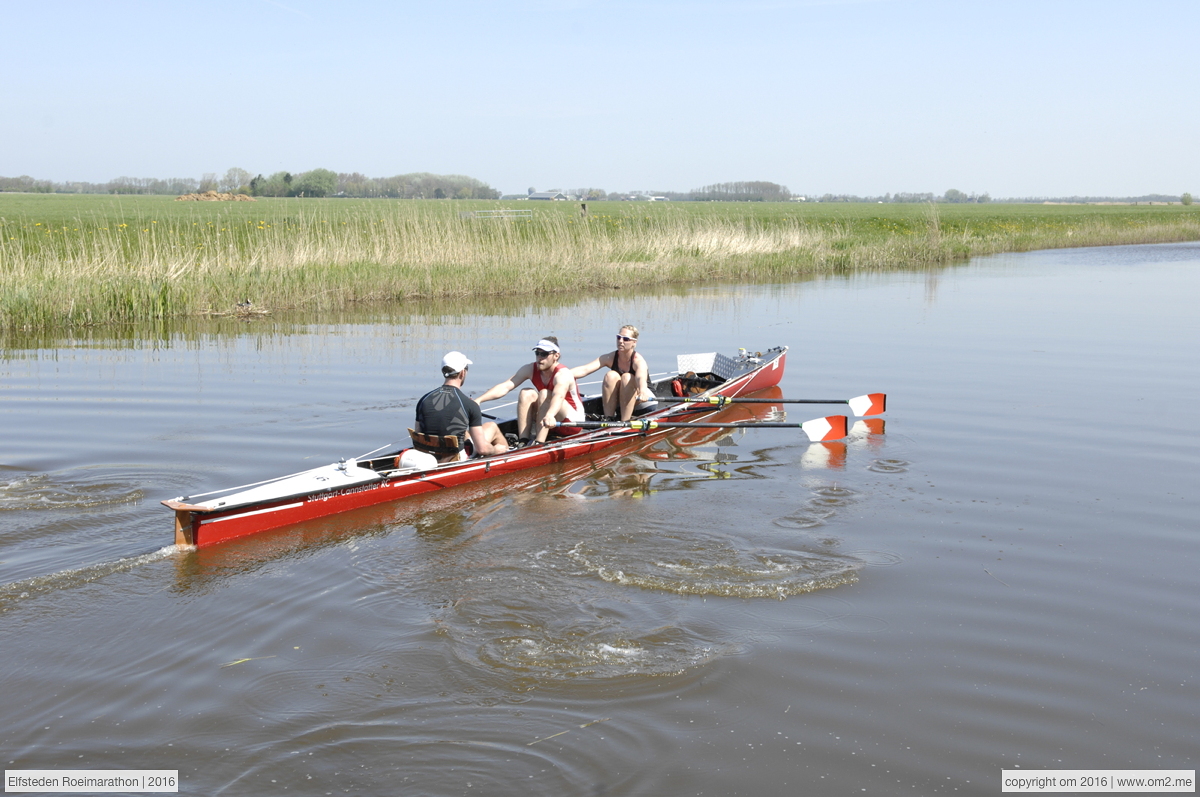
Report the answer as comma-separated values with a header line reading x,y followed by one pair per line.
x,y
546,345
455,362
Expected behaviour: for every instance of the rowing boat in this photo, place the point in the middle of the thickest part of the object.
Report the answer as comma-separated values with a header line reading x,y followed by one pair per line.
x,y
378,477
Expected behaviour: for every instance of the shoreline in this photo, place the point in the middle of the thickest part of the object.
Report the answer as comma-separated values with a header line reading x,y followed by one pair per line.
x,y
68,261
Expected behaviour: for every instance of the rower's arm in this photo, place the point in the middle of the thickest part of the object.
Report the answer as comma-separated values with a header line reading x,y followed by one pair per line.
x,y
562,383
504,388
642,374
581,371
482,447
498,391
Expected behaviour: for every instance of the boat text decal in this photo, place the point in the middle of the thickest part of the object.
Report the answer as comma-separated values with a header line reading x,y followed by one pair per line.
x,y
362,488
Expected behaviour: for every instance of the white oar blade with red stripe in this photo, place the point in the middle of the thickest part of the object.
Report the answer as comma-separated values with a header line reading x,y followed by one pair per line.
x,y
870,404
831,427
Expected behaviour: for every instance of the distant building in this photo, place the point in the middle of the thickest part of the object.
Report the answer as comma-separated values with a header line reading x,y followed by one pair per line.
x,y
550,195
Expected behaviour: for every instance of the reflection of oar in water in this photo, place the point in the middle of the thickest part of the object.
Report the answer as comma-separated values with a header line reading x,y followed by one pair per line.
x,y
870,404
832,427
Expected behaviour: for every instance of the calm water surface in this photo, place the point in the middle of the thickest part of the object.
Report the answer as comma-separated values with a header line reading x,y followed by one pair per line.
x,y
1006,578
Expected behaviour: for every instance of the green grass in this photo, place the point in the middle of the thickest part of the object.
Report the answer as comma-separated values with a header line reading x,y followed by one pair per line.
x,y
84,259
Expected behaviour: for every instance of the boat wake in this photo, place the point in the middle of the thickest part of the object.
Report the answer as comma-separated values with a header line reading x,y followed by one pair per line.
x,y
13,593
75,489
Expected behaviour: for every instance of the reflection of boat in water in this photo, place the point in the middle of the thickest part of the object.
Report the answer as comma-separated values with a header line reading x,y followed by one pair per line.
x,y
379,479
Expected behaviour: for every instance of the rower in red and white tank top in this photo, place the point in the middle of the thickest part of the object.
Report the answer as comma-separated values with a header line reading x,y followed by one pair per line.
x,y
574,404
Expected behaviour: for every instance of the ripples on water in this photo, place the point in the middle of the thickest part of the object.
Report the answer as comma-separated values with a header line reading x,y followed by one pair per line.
x,y
889,466
549,547
1003,578
575,578
695,563
78,489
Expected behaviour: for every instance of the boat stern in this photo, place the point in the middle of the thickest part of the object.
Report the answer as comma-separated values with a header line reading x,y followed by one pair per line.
x,y
185,533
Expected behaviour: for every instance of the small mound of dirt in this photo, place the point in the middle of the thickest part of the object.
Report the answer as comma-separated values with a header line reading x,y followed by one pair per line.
x,y
213,196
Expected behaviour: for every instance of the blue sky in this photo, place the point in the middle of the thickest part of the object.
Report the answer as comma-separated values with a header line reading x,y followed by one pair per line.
x,y
1048,98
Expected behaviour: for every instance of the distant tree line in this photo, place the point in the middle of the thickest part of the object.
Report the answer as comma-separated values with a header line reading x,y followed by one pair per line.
x,y
315,183
750,191
422,185
953,195
1087,200
902,197
590,194
121,185
753,191
419,185
721,192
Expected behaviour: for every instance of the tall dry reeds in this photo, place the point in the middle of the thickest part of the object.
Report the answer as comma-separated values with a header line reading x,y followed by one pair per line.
x,y
295,255
154,269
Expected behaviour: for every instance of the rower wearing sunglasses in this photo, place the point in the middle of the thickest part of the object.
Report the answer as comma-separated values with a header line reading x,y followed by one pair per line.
x,y
625,388
554,398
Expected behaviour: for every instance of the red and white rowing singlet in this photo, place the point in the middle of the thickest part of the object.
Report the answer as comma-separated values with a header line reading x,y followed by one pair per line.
x,y
574,403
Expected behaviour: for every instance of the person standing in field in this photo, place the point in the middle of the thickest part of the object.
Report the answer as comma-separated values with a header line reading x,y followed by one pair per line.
x,y
626,387
554,398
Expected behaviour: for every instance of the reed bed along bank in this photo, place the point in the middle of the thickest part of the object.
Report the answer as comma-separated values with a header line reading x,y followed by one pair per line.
x,y
69,260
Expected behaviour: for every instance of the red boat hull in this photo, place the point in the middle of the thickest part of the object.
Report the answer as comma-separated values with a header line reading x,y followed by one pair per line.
x,y
201,526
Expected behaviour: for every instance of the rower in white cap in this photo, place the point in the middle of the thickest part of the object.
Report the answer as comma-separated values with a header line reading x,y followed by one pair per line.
x,y
447,411
554,398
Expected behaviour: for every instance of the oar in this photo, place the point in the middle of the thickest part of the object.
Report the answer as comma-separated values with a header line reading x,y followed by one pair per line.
x,y
832,427
870,404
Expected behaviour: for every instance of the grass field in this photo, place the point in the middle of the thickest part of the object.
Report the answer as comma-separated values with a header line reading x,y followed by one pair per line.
x,y
91,259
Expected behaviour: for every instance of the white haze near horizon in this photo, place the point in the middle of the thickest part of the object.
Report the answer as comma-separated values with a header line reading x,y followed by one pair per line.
x,y
1046,98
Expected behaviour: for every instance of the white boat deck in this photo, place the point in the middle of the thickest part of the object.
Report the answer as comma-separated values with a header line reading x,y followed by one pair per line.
x,y
326,477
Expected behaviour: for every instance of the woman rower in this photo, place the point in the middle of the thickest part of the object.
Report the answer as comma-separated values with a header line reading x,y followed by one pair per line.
x,y
626,386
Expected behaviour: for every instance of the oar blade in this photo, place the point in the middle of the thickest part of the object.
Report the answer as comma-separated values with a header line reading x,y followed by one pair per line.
x,y
831,427
870,404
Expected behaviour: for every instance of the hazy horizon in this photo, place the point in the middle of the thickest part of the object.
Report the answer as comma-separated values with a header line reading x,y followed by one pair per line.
x,y
867,97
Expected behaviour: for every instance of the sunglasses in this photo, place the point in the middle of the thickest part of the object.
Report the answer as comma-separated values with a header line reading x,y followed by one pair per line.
x,y
540,354
625,338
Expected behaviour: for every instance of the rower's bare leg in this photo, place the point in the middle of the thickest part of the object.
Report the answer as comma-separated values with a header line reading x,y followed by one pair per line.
x,y
629,396
610,393
527,407
543,396
492,433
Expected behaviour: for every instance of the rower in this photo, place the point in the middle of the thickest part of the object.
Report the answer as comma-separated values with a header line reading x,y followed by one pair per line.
x,y
554,398
626,390
446,416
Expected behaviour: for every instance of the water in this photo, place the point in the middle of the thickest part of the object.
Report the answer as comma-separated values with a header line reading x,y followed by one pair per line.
x,y
1004,579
